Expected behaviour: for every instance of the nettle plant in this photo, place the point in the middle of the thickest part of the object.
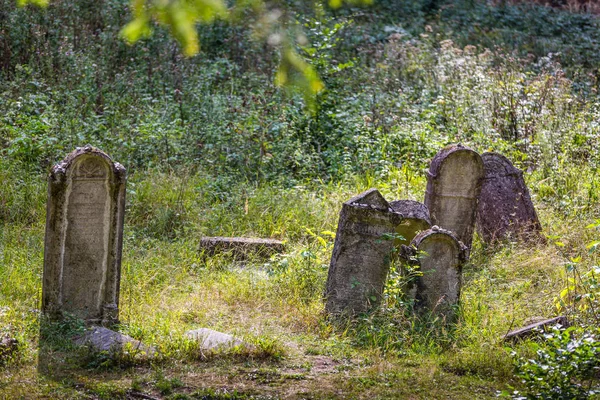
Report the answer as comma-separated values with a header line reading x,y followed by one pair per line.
x,y
567,362
581,296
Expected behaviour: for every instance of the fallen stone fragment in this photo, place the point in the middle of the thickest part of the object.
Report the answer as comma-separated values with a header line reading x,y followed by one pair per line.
x,y
536,328
214,340
103,339
240,247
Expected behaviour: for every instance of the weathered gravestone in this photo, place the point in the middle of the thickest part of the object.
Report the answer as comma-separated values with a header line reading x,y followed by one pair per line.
x,y
361,254
453,186
505,207
440,256
84,233
416,219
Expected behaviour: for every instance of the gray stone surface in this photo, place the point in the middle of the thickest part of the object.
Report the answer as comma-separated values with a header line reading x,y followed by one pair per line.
x,y
537,327
102,339
416,219
84,233
441,257
453,186
505,207
241,248
8,346
361,254
214,340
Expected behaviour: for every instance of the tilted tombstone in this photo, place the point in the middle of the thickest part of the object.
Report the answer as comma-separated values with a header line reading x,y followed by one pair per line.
x,y
441,257
505,207
361,254
453,186
416,219
84,235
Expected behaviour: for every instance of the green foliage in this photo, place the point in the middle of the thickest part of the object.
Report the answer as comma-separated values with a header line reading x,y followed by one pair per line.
x,y
566,366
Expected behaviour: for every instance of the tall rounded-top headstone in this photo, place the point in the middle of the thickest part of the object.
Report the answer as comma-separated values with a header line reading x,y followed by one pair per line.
x,y
453,186
84,235
505,207
441,257
416,219
361,255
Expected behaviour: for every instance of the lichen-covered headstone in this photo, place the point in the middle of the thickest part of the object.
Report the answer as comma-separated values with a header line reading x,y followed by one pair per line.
x,y
361,254
505,207
416,219
440,256
84,234
453,186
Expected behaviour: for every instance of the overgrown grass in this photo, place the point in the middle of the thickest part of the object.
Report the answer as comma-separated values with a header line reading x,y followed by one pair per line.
x,y
212,147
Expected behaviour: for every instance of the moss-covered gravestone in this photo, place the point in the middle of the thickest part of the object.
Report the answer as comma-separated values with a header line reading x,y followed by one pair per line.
x,y
416,219
453,186
441,257
84,234
505,207
361,254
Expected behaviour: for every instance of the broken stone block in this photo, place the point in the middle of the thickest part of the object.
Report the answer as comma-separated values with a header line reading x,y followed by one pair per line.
x,y
453,186
441,257
241,248
505,207
214,340
103,339
84,236
361,255
416,219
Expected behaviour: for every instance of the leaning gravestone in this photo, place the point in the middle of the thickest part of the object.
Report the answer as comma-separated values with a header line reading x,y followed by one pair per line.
x,y
84,234
453,186
441,256
361,254
505,207
416,219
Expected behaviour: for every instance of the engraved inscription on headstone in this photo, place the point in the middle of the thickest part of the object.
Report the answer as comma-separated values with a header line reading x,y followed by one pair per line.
x,y
361,254
441,257
505,207
84,232
453,186
416,219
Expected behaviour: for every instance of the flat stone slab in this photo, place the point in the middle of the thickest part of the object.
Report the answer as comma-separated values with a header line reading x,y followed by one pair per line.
x,y
241,247
532,329
104,339
214,340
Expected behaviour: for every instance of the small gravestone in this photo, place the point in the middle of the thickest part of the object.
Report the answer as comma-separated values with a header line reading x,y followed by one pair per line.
x,y
84,234
241,248
505,207
440,256
361,254
453,186
416,219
